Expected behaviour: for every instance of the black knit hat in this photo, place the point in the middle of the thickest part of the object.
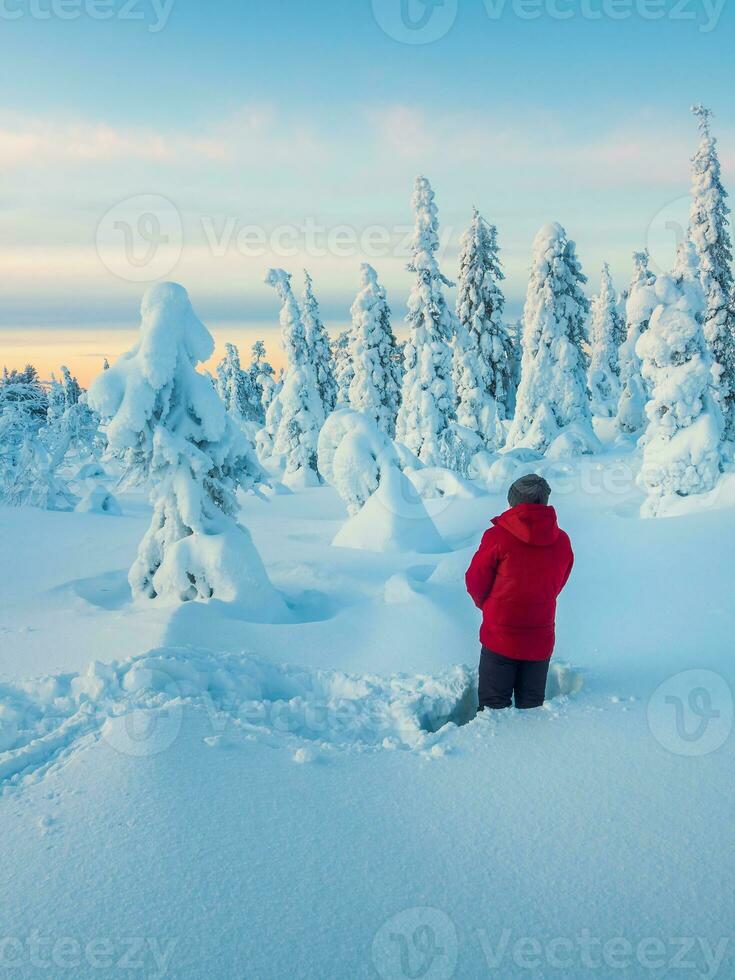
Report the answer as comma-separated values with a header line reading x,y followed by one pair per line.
x,y
530,489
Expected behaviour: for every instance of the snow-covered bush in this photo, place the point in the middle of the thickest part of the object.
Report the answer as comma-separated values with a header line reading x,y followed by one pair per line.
x,y
436,482
393,519
318,347
161,407
607,332
376,375
427,403
28,471
99,500
682,445
708,227
352,451
458,445
553,389
483,368
296,414
640,303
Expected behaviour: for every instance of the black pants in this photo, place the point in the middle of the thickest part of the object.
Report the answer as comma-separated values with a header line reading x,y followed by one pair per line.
x,y
500,677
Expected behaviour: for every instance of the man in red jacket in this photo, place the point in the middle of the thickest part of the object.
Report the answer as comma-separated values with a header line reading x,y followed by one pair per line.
x,y
521,566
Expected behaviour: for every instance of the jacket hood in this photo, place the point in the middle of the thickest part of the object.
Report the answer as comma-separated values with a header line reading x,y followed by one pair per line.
x,y
533,524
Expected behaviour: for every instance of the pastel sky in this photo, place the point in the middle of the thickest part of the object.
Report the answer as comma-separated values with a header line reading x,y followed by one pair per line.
x,y
204,142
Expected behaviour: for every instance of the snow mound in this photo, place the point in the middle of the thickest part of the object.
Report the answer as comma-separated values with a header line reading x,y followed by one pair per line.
x,y
393,519
434,482
577,439
99,500
46,720
351,453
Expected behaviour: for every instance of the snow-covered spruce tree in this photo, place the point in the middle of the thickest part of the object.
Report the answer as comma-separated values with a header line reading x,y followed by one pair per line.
x,y
606,330
552,396
708,227
262,379
640,302
427,402
160,406
233,386
375,386
70,386
682,446
482,349
298,406
343,368
318,346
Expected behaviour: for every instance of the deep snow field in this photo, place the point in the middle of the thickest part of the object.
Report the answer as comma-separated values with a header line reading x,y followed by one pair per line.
x,y
188,794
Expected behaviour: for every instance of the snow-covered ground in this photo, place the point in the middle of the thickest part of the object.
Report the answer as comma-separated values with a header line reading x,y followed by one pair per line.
x,y
190,794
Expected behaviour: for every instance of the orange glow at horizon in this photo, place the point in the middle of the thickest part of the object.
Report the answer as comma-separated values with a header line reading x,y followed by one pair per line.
x,y
83,350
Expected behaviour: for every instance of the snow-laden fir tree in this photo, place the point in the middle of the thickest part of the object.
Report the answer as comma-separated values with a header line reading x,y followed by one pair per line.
x,y
482,349
70,386
375,386
682,446
262,379
606,331
343,368
158,404
318,346
708,227
232,385
552,395
298,406
640,303
427,400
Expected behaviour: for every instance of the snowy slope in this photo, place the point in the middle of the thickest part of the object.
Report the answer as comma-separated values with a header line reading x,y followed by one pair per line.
x,y
281,801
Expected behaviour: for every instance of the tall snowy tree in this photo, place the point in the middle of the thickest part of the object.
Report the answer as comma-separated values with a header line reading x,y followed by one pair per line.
x,y
262,378
375,386
606,330
553,396
343,367
427,403
70,386
299,408
158,404
232,385
482,351
682,446
639,305
708,227
317,343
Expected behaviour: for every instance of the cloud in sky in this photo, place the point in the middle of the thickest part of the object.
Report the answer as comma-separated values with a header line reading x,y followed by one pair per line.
x,y
261,167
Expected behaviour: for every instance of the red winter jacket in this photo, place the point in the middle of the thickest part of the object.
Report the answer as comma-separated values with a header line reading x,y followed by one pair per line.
x,y
521,566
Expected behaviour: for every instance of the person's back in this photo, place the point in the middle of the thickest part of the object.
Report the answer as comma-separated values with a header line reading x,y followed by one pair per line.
x,y
521,566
